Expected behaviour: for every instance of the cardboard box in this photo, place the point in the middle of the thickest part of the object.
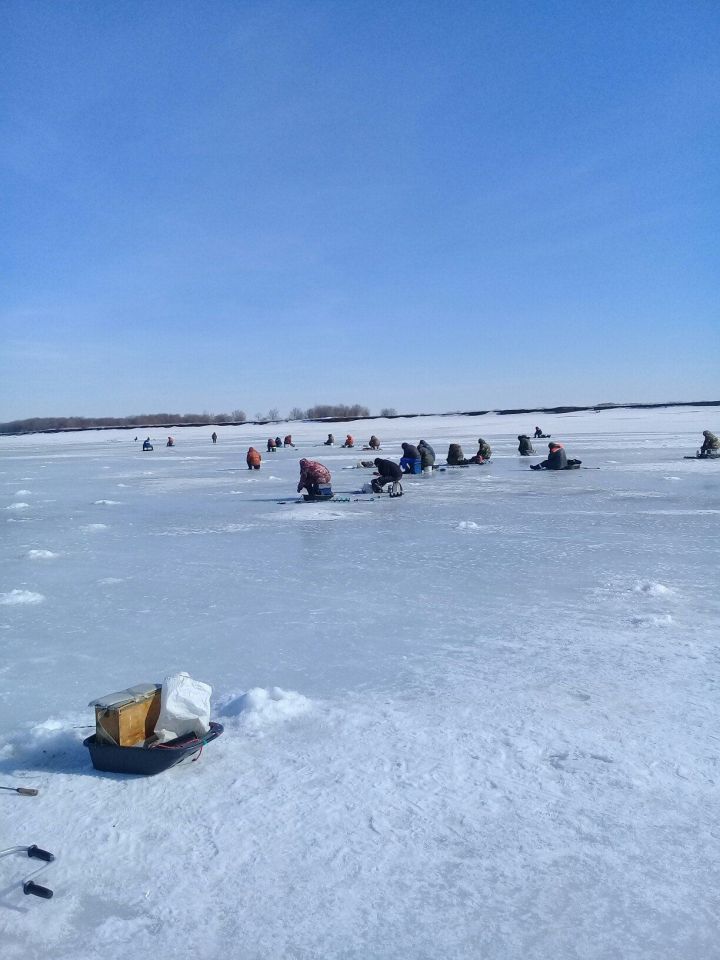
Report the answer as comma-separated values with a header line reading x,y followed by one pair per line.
x,y
127,718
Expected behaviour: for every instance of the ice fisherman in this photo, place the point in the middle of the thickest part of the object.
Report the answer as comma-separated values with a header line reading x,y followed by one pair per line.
x,y
278,443
455,456
374,443
388,472
427,454
711,444
214,437
313,476
349,441
330,442
271,445
146,444
538,434
525,447
287,442
557,459
170,442
484,452
410,460
253,459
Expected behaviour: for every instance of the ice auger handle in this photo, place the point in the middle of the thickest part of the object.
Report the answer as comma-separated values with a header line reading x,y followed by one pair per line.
x,y
30,887
38,854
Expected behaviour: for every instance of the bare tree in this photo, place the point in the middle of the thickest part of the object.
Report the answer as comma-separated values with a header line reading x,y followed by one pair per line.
x,y
296,414
273,414
239,415
388,412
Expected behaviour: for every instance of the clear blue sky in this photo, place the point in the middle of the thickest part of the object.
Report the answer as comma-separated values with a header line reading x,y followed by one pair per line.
x,y
426,205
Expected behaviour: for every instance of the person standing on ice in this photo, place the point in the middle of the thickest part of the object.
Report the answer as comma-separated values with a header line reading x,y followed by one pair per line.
x,y
253,459
711,444
388,472
525,447
557,459
214,437
313,475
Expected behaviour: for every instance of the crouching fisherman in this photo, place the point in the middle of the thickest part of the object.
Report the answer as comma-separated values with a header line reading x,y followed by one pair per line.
x,y
455,456
525,447
315,478
253,459
427,455
388,473
711,445
484,452
557,459
410,460
147,445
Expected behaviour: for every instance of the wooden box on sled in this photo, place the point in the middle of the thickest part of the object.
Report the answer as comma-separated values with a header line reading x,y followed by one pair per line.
x,y
128,717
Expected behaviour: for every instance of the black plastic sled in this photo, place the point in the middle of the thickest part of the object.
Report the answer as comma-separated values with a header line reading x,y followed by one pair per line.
x,y
312,498
148,761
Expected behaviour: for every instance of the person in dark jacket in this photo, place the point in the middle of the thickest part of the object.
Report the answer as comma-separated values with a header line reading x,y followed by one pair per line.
x,y
525,447
711,444
538,433
455,456
330,442
214,437
427,454
410,460
557,458
147,445
278,443
388,472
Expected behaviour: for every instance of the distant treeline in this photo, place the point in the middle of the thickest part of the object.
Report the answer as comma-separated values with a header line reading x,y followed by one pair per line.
x,y
60,424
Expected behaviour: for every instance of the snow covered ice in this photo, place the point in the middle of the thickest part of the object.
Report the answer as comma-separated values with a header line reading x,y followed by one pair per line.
x,y
479,721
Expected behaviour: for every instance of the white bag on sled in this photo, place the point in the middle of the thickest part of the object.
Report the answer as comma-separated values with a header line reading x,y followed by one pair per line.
x,y
184,707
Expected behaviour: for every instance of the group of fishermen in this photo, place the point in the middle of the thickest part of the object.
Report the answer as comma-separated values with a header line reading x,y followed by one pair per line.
x,y
315,477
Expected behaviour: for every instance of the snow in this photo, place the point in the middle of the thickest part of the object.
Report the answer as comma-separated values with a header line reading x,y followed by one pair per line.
x,y
478,721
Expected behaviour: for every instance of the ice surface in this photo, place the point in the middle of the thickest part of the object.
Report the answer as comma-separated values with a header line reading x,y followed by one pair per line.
x,y
478,721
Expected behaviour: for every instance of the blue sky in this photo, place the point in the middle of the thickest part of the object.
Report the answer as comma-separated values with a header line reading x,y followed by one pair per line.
x,y
430,206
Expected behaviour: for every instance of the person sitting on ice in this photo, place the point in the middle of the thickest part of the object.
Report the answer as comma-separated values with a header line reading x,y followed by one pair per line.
x,y
557,459
410,460
538,433
170,442
374,443
278,443
271,445
315,478
525,447
484,452
146,444
455,456
711,444
287,442
330,442
388,472
253,459
349,442
427,455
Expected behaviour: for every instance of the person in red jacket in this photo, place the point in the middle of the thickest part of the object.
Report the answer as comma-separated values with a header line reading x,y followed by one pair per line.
x,y
313,476
271,445
253,459
349,442
287,442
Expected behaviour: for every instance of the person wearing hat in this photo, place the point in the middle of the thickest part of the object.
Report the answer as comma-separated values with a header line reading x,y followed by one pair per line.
x,y
711,444
557,458
525,447
388,472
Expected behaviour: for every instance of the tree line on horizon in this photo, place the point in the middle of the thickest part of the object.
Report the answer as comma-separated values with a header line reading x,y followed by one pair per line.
x,y
317,412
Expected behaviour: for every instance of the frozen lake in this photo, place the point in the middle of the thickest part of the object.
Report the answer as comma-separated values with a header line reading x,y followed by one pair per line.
x,y
496,728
